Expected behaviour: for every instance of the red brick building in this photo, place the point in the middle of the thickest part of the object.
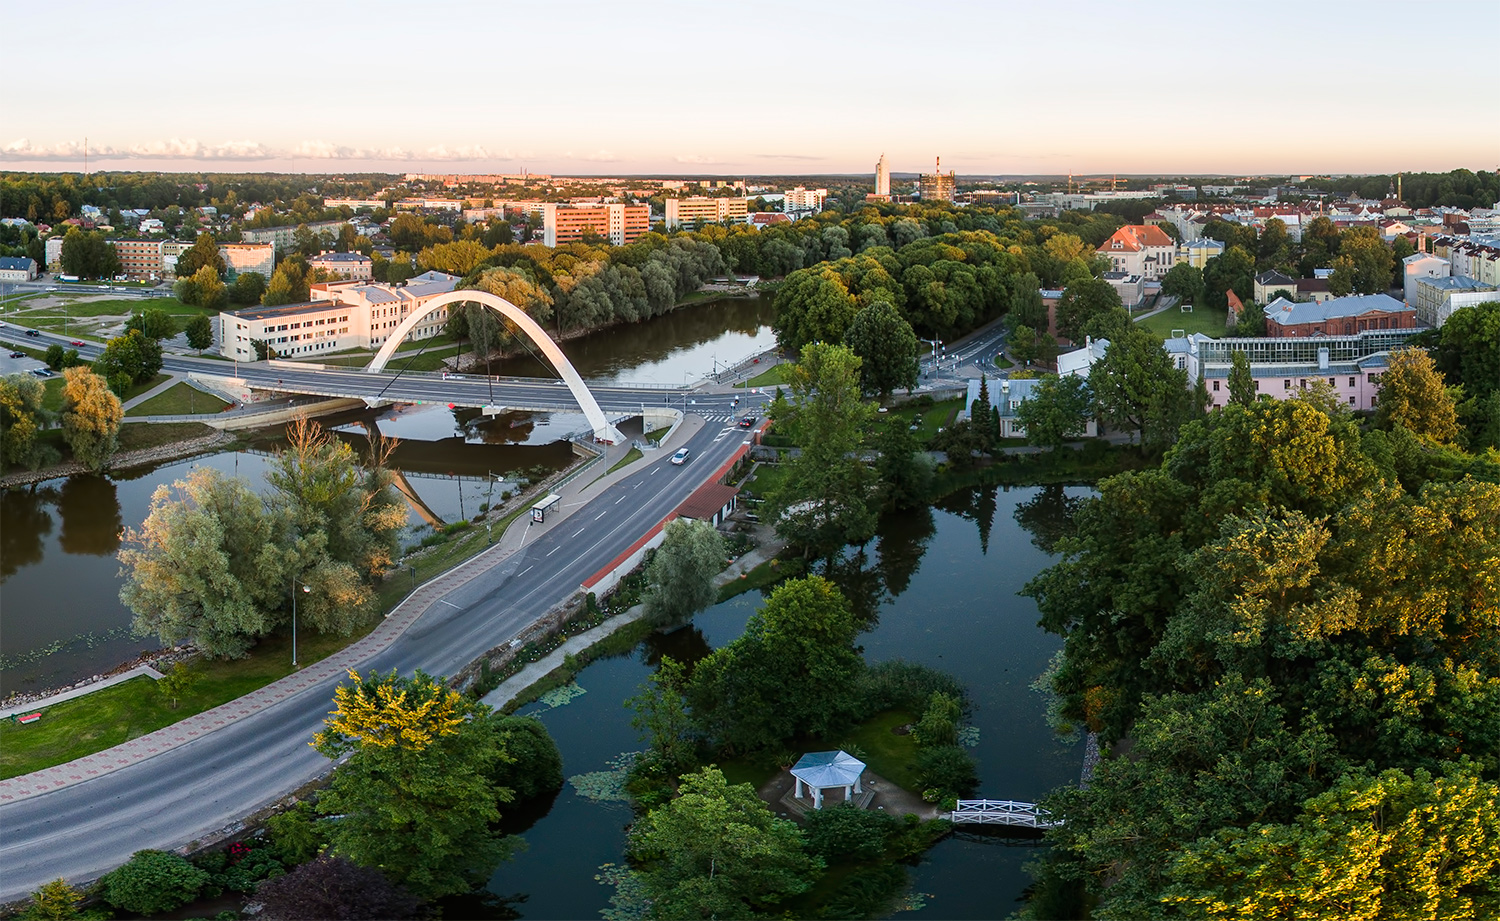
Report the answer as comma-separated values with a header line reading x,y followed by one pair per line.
x,y
1339,316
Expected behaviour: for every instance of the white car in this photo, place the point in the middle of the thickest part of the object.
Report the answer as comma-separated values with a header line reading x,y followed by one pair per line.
x,y
680,457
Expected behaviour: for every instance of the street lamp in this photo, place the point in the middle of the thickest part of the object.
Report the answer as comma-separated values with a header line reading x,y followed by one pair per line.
x,y
306,589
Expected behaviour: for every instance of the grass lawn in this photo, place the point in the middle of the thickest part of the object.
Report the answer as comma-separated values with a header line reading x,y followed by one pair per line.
x,y
141,435
144,386
427,361
52,394
890,755
1203,320
936,416
767,478
772,377
347,361
120,307
129,710
763,576
179,400
631,457
1003,363
656,436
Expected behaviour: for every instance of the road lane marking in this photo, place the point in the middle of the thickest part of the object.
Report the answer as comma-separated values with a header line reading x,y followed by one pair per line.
x,y
448,603
602,514
554,549
619,500
579,531
524,571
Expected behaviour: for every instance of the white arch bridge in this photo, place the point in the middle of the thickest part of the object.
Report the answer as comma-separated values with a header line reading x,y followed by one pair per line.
x,y
603,430
1001,812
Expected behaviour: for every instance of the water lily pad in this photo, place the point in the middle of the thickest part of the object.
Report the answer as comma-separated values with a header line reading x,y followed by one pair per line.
x,y
969,736
561,697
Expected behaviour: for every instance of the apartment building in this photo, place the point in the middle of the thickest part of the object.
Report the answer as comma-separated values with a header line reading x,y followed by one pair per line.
x,y
341,315
285,238
348,266
690,211
937,185
240,258
618,223
803,201
1418,266
1436,298
140,260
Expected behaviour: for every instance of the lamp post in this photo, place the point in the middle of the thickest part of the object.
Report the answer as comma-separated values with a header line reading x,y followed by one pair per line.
x,y
306,589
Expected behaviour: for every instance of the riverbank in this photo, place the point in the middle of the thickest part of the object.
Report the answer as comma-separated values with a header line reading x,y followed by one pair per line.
x,y
174,450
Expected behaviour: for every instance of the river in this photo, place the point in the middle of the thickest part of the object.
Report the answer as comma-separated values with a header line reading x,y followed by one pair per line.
x,y
61,619
937,588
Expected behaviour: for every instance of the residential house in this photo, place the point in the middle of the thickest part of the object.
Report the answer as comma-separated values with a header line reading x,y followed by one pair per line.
x,y
1130,288
1006,396
1196,253
1140,249
1418,266
17,268
1437,298
1268,283
348,266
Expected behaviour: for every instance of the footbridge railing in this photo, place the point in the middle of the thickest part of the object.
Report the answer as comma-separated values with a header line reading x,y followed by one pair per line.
x,y
1001,812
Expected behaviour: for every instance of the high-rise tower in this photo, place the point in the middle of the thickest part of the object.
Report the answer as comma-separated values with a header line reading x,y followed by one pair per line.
x,y
882,177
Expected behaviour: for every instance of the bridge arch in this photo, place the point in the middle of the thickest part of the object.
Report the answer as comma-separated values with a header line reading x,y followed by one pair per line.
x,y
602,428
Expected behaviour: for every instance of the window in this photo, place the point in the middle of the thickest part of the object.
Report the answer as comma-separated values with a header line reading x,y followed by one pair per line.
x,y
1351,401
1286,385
1216,386
1351,382
1331,383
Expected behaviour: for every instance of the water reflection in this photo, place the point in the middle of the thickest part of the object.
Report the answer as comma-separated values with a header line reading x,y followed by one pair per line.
x,y
1048,516
91,517
24,522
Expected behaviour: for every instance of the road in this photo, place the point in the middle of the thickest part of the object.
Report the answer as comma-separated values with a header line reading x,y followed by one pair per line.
x,y
191,791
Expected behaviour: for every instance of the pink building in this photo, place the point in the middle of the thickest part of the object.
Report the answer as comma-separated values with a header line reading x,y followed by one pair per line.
x,y
1283,368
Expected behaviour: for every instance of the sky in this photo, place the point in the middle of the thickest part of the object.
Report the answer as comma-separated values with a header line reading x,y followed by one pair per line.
x,y
771,87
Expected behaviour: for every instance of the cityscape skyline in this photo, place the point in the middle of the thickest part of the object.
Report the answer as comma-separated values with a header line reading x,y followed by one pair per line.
x,y
1330,88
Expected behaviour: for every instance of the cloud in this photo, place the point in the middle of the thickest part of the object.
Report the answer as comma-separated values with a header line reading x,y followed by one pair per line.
x,y
192,149
598,156
697,159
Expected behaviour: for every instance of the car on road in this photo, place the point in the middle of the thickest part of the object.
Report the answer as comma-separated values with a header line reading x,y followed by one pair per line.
x,y
17,354
747,421
76,342
680,457
42,372
32,333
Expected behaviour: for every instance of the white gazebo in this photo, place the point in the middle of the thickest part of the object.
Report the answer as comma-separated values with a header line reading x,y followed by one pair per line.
x,y
819,771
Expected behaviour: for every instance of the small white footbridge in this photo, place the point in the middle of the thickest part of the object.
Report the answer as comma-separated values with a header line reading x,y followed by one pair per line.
x,y
1001,812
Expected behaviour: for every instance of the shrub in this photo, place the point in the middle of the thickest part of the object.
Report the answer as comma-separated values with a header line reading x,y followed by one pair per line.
x,y
898,685
58,901
846,833
332,887
295,837
535,768
939,724
247,866
948,769
153,882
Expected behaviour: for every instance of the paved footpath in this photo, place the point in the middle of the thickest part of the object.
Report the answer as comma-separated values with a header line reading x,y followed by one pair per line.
x,y
79,691
402,617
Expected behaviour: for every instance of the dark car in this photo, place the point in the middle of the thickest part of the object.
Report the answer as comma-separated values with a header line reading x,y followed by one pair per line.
x,y
32,333
747,421
17,354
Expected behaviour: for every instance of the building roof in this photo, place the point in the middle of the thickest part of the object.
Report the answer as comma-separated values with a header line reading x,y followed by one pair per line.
x,y
1275,278
1289,313
1235,304
288,310
1136,237
1419,257
828,769
22,263
707,501
356,258
1454,283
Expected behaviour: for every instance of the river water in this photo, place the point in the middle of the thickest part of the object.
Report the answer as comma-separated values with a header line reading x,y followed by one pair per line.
x,y
937,588
60,615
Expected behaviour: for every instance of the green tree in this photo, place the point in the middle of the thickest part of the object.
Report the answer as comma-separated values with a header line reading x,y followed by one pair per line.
x,y
1367,259
1184,281
535,765
58,901
1396,846
89,255
153,882
1135,385
203,253
662,719
1026,305
249,287
680,577
792,672
1412,395
22,419
1083,302
1242,389
154,323
813,305
54,357
904,470
177,681
1057,411
824,500
128,359
982,420
200,332
205,566
887,349
414,789
1233,270
717,851
91,418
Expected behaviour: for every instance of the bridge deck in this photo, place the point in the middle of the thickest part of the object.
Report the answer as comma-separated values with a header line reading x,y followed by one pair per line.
x,y
1001,812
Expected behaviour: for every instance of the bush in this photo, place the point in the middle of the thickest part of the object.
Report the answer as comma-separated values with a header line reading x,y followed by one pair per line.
x,y
247,866
332,887
908,686
939,724
947,769
866,893
536,765
153,882
58,901
295,837
846,833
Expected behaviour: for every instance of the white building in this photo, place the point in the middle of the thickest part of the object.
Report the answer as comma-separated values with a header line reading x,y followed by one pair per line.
x,y
343,315
17,268
348,266
803,201
1284,368
240,258
1436,298
883,177
1006,396
1079,361
1130,288
1418,266
53,250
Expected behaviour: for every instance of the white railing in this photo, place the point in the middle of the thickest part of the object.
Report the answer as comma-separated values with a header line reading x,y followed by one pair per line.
x,y
1001,812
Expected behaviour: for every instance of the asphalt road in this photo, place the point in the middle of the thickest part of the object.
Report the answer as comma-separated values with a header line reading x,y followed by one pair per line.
x,y
188,792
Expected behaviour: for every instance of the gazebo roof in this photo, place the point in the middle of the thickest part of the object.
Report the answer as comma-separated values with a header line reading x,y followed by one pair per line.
x,y
828,769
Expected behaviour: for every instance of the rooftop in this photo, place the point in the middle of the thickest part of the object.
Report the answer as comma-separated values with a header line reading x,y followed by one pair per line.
x,y
828,769
1288,313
